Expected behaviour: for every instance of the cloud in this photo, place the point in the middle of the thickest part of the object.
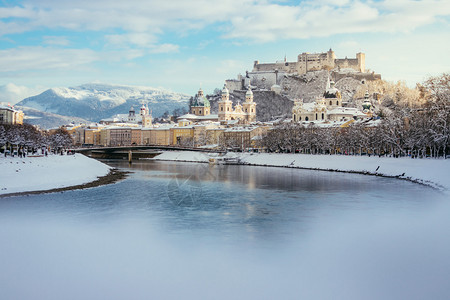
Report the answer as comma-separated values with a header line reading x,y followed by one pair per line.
x,y
56,40
11,93
409,57
141,22
164,48
273,22
44,58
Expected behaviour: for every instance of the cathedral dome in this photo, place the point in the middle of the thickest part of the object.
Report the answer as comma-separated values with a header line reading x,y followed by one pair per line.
x,y
249,92
200,100
332,91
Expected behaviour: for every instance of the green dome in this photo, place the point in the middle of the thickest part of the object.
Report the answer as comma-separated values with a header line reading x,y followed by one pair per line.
x,y
201,101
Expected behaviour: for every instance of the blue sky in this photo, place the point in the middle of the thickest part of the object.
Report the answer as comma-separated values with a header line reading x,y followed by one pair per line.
x,y
180,45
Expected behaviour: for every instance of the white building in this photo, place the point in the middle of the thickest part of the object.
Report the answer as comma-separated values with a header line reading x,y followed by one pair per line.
x,y
9,115
328,108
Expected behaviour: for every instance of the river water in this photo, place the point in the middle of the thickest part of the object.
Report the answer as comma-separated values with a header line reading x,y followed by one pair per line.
x,y
195,231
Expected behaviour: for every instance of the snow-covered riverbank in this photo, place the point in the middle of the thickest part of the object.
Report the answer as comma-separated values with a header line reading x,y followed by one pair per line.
x,y
433,172
55,171
45,173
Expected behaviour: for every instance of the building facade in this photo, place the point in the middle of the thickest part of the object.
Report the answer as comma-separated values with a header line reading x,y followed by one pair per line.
x,y
9,115
245,112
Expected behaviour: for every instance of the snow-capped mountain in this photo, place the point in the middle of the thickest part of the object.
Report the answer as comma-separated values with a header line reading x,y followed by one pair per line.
x,y
94,101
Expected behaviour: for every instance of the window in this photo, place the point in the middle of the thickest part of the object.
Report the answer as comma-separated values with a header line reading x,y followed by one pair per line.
x,y
323,116
337,103
331,103
306,119
221,108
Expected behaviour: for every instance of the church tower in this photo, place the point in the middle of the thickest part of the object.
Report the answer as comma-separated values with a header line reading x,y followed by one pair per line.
x,y
367,105
225,105
249,107
132,115
145,116
332,95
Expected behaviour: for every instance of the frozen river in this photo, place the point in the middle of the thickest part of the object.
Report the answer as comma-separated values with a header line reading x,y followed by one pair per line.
x,y
195,231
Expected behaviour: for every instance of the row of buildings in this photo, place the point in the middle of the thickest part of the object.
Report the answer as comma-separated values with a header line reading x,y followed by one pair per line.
x,y
203,134
232,127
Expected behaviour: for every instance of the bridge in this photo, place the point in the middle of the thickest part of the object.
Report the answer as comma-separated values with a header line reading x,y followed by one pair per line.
x,y
133,152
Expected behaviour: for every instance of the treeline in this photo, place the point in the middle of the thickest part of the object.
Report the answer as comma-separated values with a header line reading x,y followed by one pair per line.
x,y
28,136
403,130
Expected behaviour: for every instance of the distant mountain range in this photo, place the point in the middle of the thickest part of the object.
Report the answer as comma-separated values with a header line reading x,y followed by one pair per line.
x,y
47,120
94,102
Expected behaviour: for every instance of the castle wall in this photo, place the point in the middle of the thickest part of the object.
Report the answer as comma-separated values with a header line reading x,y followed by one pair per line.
x,y
313,62
358,76
284,66
264,79
234,84
348,63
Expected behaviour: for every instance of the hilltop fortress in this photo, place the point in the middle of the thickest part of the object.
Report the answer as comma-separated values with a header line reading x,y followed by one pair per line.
x,y
314,62
269,75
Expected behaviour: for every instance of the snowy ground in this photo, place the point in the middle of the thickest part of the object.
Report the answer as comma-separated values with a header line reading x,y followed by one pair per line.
x,y
44,173
433,172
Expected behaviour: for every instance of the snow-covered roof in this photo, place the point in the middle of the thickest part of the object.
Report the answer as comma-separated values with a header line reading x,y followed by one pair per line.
x,y
10,108
188,116
343,111
241,129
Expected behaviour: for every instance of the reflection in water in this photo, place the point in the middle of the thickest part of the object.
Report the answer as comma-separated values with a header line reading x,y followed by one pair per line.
x,y
190,231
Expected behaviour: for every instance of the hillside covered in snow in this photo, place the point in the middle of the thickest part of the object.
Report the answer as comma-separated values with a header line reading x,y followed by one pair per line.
x,y
94,101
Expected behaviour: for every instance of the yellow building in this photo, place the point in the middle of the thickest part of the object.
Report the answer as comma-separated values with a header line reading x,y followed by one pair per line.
x,y
156,136
200,133
241,137
136,136
183,136
214,135
92,136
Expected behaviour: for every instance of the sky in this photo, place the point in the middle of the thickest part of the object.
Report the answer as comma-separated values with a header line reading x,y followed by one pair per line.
x,y
183,45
